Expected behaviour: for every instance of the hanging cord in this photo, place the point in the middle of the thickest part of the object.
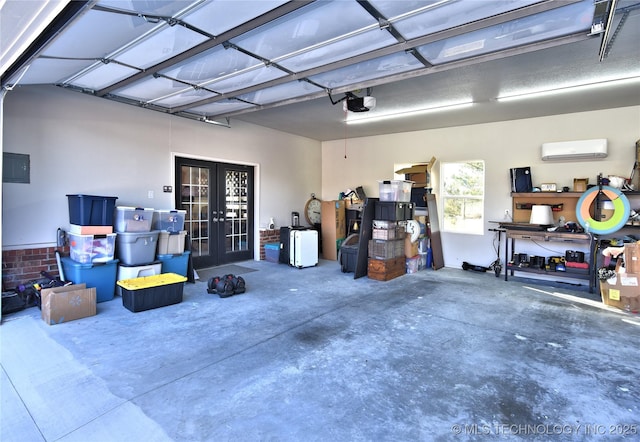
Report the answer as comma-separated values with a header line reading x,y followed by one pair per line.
x,y
346,112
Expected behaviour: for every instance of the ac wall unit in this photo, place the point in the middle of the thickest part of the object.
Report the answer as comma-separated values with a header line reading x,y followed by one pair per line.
x,y
574,150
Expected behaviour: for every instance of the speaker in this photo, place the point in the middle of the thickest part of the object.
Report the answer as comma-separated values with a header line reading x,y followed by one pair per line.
x,y
521,179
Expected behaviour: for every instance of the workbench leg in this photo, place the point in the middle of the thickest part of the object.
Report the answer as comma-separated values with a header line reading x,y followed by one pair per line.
x,y
506,255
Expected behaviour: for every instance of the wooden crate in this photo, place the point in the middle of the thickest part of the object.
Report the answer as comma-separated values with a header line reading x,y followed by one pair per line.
x,y
382,249
386,234
384,224
386,269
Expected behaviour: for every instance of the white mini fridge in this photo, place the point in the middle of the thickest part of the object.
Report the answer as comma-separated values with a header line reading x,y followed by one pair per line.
x,y
303,248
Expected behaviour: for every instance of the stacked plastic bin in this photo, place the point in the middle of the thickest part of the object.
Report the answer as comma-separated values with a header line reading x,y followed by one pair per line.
x,y
171,242
136,243
91,244
158,283
387,246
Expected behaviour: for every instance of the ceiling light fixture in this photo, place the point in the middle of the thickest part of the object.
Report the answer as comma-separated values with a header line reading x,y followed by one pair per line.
x,y
217,123
409,113
566,89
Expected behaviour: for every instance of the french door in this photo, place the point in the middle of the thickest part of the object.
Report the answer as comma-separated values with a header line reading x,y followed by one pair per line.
x,y
218,199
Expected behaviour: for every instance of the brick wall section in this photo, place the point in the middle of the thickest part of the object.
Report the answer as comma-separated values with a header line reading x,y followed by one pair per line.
x,y
24,266
267,236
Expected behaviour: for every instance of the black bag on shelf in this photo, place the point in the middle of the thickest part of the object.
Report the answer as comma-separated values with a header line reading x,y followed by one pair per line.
x,y
521,179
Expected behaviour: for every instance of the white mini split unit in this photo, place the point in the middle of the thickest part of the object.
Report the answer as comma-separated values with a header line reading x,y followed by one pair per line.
x,y
574,150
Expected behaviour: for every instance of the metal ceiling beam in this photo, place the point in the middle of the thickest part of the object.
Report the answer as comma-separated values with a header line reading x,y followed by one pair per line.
x,y
232,33
154,18
532,47
607,30
402,46
70,12
623,19
382,20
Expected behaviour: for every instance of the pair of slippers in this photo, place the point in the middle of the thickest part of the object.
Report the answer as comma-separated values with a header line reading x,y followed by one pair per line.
x,y
225,286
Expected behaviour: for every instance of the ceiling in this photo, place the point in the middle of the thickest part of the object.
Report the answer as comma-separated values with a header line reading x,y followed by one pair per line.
x,y
293,65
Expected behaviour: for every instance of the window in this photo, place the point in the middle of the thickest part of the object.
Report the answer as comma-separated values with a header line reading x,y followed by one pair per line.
x,y
463,197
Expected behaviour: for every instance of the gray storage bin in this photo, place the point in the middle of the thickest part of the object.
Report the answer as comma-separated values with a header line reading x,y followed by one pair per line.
x,y
137,248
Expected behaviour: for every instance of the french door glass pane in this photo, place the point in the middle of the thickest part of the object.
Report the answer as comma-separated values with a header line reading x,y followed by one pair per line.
x,y
195,200
236,212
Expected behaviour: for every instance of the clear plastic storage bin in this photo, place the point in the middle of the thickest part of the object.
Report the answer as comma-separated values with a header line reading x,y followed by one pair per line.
x,y
87,249
168,220
133,219
395,190
170,243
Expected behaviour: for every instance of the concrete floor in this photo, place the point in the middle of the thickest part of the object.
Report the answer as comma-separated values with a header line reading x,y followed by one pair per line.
x,y
315,355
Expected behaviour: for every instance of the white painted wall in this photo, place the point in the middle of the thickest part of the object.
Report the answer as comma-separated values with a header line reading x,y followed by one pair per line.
x,y
81,144
501,145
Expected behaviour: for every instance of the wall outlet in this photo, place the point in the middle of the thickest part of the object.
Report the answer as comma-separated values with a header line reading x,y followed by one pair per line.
x,y
150,194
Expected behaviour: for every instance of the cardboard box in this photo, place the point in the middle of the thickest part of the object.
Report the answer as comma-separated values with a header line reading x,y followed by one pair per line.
x,y
411,249
64,304
632,257
354,204
622,291
580,184
333,219
420,174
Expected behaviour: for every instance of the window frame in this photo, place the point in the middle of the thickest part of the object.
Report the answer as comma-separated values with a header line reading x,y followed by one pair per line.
x,y
468,227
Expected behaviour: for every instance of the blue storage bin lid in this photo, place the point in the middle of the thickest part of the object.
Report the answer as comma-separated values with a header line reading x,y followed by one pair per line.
x,y
272,246
71,263
169,256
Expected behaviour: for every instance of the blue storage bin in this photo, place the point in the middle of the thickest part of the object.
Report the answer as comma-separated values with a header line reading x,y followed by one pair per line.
x,y
175,263
91,210
272,251
101,276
